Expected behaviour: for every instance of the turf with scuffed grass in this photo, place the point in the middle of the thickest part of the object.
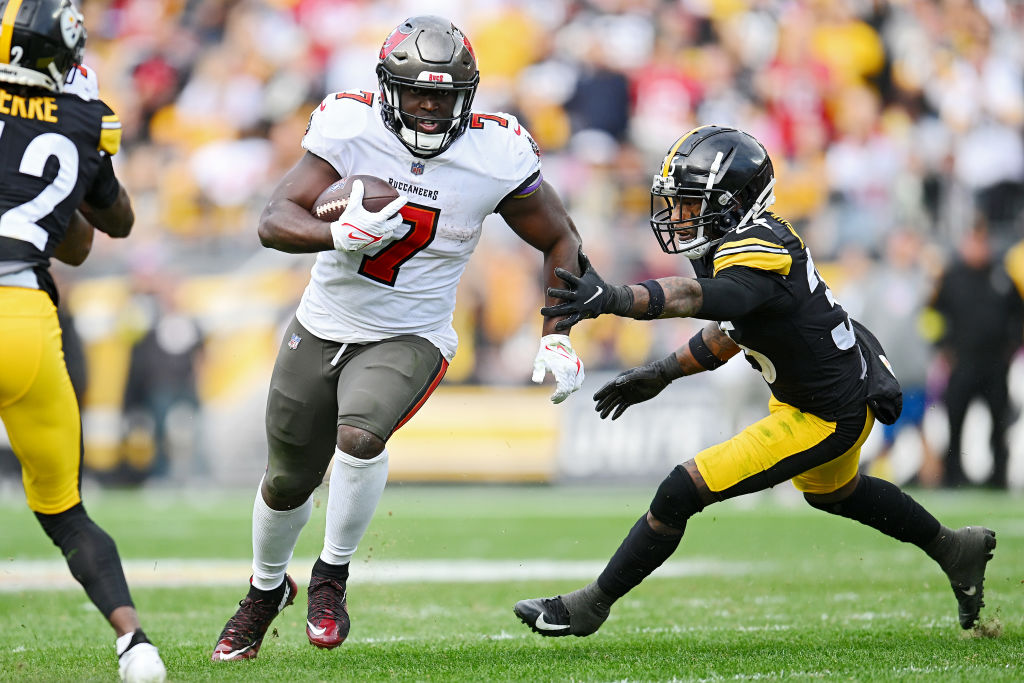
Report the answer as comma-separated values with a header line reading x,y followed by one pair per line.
x,y
807,596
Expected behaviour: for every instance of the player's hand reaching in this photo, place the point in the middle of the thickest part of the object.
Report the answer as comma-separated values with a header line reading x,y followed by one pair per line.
x,y
358,228
557,356
588,296
636,386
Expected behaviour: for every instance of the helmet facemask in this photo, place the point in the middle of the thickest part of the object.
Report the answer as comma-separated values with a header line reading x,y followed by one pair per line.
x,y
719,198
406,124
427,53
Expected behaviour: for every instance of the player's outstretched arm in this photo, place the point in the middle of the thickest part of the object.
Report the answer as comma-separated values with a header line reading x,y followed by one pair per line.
x,y
709,348
541,220
77,242
286,223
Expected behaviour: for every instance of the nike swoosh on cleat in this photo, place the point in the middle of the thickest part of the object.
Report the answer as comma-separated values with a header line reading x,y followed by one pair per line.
x,y
543,625
596,294
232,655
314,630
969,592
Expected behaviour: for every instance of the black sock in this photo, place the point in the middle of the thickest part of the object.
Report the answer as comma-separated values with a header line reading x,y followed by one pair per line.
x,y
272,595
138,636
338,572
640,553
883,506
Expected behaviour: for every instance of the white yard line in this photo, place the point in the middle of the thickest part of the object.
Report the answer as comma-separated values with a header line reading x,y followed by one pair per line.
x,y
22,575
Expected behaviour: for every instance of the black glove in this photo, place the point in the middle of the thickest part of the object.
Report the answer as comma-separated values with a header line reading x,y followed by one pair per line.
x,y
636,386
588,296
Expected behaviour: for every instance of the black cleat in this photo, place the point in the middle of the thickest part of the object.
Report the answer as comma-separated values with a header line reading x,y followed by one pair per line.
x,y
243,634
967,573
546,616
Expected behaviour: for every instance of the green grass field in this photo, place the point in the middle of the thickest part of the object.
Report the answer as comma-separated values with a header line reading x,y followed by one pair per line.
x,y
760,589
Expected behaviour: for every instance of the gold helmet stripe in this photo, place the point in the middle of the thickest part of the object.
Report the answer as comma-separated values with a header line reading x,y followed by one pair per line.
x,y
675,148
7,30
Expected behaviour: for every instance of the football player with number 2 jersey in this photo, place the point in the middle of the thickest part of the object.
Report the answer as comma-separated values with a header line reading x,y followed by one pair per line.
x,y
56,184
373,336
828,377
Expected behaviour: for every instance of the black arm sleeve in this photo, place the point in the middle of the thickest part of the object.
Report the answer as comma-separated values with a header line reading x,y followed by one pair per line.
x,y
738,291
105,187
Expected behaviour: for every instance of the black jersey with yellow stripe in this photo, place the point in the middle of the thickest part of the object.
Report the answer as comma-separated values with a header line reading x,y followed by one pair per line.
x,y
53,150
800,338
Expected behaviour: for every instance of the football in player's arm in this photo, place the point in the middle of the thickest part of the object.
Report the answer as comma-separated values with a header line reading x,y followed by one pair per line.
x,y
757,282
58,182
372,336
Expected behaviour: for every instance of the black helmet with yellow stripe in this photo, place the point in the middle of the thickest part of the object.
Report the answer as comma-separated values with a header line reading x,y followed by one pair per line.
x,y
713,180
40,42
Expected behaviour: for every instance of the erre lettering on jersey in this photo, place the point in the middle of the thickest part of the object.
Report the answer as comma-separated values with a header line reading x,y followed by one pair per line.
x,y
36,107
409,188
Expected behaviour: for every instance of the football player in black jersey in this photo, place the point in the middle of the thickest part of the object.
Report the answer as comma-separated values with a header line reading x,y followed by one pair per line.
x,y
56,184
757,282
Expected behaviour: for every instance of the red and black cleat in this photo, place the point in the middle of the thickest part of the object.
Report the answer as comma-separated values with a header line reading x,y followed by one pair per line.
x,y
327,622
243,634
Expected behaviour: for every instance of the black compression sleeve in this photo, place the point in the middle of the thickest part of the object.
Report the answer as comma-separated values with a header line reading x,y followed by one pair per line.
x,y
736,292
105,186
702,354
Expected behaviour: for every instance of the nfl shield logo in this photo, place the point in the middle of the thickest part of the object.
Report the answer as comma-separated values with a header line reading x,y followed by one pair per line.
x,y
293,343
417,168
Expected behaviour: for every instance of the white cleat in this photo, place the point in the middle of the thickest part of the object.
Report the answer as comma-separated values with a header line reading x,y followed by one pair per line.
x,y
142,664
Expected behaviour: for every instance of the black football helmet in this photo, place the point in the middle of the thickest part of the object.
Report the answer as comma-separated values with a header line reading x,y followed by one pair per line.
x,y
40,42
426,52
731,175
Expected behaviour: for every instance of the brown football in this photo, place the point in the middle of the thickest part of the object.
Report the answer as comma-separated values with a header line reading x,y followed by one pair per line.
x,y
377,194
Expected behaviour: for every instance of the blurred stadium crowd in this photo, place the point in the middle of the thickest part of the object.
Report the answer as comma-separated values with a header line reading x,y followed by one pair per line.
x,y
894,127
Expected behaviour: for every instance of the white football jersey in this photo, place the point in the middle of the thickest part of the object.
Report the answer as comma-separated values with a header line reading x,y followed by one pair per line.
x,y
407,285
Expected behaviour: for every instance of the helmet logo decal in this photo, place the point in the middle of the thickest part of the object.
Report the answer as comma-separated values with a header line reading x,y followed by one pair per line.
x,y
71,26
393,40
434,77
459,35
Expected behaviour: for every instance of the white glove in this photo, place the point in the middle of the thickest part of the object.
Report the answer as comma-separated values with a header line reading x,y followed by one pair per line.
x,y
557,356
357,228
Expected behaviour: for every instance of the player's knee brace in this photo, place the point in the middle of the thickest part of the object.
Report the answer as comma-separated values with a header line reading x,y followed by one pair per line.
x,y
677,499
91,555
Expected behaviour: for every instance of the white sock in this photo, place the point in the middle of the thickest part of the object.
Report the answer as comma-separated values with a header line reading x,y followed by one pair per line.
x,y
121,643
355,489
274,535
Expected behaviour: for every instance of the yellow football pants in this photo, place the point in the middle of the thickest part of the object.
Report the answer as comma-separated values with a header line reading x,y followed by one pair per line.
x,y
37,403
788,444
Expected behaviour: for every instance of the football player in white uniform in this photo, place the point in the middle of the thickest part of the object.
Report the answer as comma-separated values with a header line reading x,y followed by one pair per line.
x,y
373,336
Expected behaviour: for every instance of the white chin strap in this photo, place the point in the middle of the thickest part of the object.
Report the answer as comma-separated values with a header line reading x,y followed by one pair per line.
x,y
425,141
694,253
